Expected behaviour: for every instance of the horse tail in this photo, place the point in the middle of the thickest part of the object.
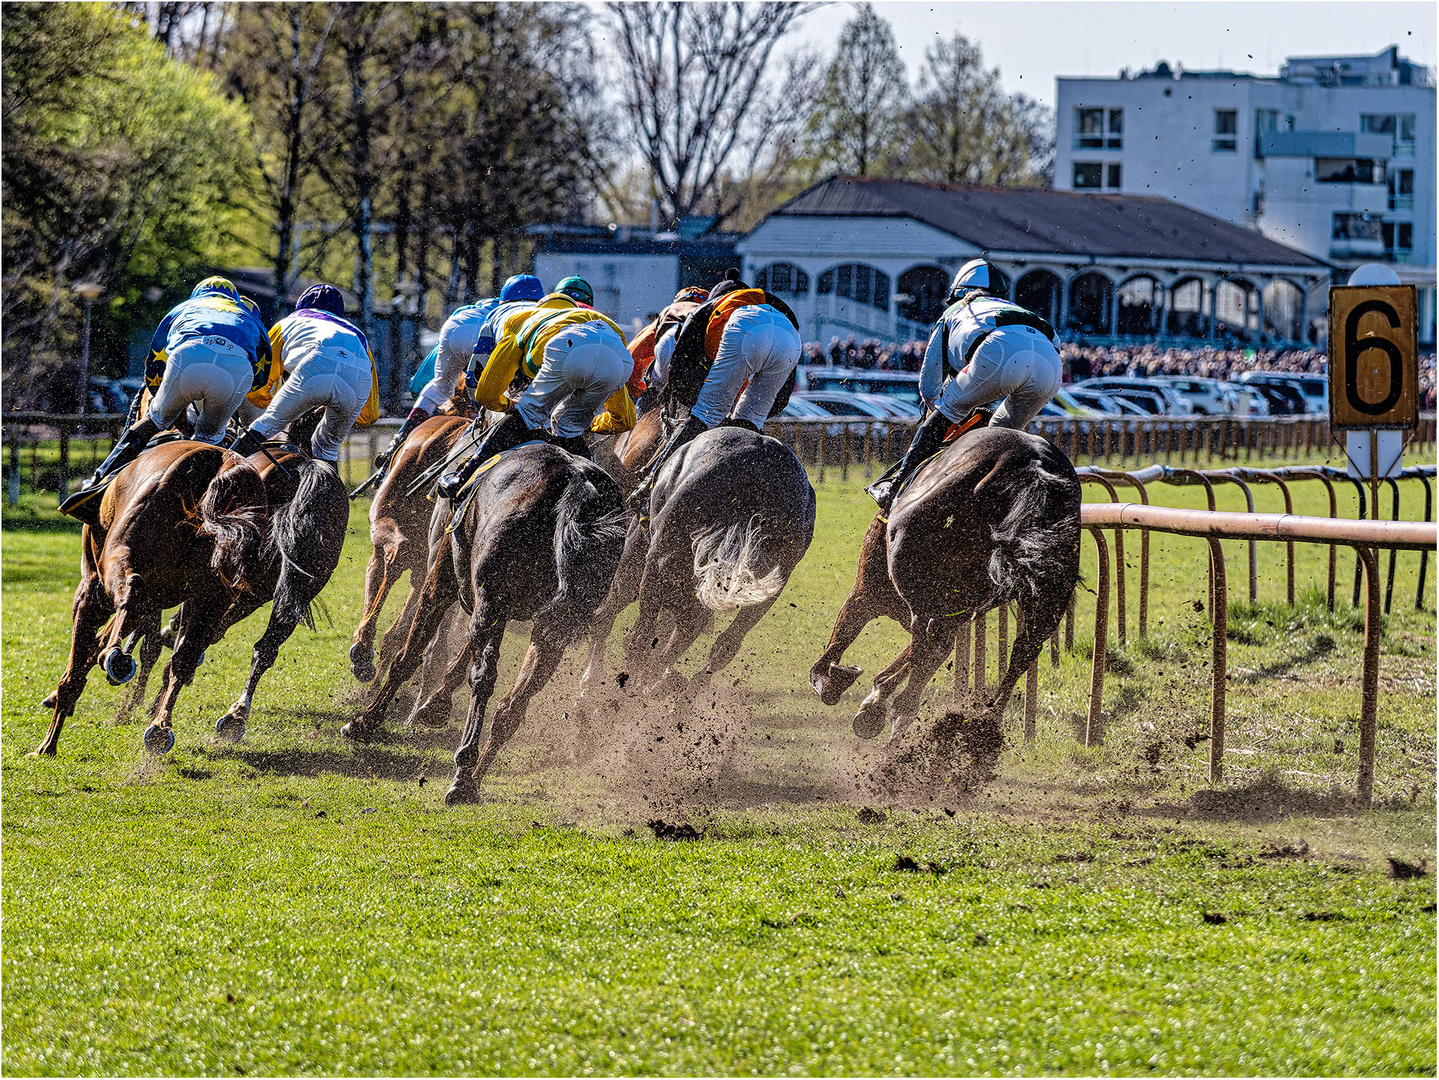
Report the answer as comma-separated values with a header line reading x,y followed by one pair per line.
x,y
1034,530
730,567
589,533
296,539
232,513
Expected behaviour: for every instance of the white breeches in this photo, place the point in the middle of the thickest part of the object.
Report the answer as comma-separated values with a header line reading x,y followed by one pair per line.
x,y
1016,363
334,378
210,373
759,344
583,366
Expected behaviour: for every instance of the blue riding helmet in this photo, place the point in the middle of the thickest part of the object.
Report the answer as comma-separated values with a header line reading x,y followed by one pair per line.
x,y
576,288
214,285
522,287
322,298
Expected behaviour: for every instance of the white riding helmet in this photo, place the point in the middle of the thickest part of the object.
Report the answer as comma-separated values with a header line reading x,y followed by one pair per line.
x,y
1373,274
977,274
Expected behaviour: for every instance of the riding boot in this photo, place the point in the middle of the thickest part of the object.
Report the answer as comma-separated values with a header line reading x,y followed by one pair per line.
x,y
740,422
509,431
692,426
928,439
417,417
125,451
575,444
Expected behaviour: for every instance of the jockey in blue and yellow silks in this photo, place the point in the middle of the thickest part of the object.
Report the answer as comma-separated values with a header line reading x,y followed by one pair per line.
x,y
209,351
577,364
327,363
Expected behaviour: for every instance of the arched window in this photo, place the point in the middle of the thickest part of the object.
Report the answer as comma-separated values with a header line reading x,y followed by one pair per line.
x,y
923,289
858,282
1040,292
783,279
1284,310
1139,300
1188,308
1089,297
1236,308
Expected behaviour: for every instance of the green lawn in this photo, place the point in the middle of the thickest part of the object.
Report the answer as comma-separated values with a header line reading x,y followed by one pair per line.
x,y
300,904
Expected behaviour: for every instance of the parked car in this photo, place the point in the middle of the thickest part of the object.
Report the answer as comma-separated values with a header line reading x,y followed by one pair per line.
x,y
900,384
1147,393
1107,404
1248,401
1312,389
1284,398
1208,396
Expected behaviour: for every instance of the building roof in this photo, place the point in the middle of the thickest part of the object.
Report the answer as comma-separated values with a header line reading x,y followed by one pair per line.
x,y
1044,222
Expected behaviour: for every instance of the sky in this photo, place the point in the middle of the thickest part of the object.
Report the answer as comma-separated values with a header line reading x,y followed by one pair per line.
x,y
1033,41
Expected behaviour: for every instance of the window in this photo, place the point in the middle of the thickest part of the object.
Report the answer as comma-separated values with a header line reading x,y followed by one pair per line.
x,y
1091,132
1348,171
1088,174
1398,241
1269,122
1112,176
1401,189
1400,128
783,278
858,282
1348,226
1226,130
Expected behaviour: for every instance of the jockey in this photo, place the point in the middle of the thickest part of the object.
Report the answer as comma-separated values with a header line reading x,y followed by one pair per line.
x,y
451,355
329,364
644,345
578,362
742,347
210,351
996,350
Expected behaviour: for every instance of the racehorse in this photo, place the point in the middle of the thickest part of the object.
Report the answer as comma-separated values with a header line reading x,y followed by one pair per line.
x,y
181,522
626,456
399,526
731,515
992,520
537,537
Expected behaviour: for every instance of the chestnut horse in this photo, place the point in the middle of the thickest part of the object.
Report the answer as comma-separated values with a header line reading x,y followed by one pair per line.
x,y
181,522
538,537
731,515
992,520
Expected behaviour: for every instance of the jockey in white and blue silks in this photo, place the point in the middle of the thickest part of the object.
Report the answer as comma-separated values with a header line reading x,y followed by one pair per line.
x,y
996,351
209,351
326,362
451,355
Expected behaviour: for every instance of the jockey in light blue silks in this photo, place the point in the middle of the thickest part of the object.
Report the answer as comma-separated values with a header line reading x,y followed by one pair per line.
x,y
997,351
451,354
209,351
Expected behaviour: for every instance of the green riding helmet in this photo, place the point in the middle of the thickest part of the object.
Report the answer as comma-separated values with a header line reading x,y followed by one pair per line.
x,y
576,288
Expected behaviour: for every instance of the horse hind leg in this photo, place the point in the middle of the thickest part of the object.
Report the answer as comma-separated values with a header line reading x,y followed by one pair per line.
x,y
727,646
433,709
90,610
200,627
931,644
483,651
873,710
150,646
231,726
538,667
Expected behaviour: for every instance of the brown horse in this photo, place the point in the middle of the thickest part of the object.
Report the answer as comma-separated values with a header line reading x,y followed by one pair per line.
x,y
399,530
180,522
732,514
538,538
992,520
626,456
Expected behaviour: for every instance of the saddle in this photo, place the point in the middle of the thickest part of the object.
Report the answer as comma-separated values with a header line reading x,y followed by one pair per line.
x,y
980,417
467,493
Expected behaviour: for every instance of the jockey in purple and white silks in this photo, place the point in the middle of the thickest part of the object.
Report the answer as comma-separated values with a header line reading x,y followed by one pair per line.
x,y
992,350
327,363
453,351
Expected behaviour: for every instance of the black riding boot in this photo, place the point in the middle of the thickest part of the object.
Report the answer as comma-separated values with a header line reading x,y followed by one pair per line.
x,y
125,451
928,439
687,431
414,420
575,444
509,431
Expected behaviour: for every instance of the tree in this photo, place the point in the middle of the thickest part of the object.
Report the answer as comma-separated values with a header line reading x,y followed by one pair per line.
x,y
699,94
855,127
966,130
113,157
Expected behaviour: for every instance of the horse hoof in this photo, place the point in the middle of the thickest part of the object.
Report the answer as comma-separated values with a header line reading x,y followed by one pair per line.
x,y
362,662
119,667
356,731
869,721
431,715
230,728
462,793
159,740
49,702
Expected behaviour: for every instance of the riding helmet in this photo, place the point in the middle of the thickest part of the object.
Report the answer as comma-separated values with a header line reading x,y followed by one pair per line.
x,y
522,287
692,292
576,288
730,283
977,274
212,286
325,298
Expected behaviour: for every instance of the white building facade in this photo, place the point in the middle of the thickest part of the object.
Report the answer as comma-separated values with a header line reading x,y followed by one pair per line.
x,y
1335,156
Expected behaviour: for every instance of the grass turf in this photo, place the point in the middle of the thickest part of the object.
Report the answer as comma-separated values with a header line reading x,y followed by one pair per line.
x,y
299,904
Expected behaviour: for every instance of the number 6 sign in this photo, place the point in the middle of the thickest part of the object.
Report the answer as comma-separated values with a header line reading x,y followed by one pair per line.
x,y
1373,364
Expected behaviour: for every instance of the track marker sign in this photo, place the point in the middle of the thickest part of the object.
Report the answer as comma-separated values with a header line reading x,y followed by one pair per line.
x,y
1373,357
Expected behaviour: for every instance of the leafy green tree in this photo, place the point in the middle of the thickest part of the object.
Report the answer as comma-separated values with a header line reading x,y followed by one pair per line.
x,y
115,158
855,127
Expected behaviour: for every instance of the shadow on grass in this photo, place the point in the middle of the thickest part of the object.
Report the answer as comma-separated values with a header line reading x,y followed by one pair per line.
x,y
1260,802
28,519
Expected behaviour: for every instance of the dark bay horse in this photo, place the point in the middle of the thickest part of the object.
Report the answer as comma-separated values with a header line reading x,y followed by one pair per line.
x,y
731,515
399,535
539,539
626,456
182,521
992,520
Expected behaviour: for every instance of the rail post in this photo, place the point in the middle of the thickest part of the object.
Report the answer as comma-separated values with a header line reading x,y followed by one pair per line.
x,y
981,633
1219,614
1101,638
13,494
1369,702
961,661
1424,555
64,460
